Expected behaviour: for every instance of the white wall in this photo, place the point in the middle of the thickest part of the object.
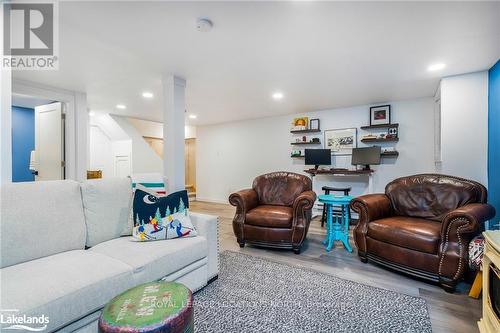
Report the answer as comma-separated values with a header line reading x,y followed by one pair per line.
x,y
229,156
101,152
144,159
464,126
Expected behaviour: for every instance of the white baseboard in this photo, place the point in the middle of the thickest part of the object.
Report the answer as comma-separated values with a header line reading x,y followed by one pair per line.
x,y
212,200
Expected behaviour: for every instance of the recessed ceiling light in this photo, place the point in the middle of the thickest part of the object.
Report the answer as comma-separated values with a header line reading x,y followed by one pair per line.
x,y
277,95
147,94
121,106
436,67
91,113
193,116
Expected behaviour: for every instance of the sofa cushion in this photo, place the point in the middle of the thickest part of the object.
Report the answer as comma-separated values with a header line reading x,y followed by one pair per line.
x,y
107,204
154,260
44,217
412,233
64,286
270,216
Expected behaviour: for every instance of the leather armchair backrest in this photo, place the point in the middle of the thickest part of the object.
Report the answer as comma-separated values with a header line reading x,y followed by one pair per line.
x,y
280,188
432,196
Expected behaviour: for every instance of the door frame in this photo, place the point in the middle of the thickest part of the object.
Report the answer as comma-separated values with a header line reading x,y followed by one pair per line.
x,y
75,126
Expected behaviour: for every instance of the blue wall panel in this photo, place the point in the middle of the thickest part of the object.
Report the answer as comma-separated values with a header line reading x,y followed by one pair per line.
x,y
494,140
23,142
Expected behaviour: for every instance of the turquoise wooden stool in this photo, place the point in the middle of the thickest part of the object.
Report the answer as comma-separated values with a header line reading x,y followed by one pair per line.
x,y
338,230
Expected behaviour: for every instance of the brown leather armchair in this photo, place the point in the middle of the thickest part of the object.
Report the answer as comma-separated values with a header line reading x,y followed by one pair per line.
x,y
275,212
422,225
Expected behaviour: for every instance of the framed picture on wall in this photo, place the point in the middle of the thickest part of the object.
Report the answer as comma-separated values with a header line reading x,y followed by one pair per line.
x,y
380,115
341,141
314,124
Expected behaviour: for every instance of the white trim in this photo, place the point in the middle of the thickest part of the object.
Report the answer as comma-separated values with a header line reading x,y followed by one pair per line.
x,y
76,138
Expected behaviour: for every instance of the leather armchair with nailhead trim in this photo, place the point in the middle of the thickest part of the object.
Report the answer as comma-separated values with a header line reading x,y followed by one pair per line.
x,y
422,226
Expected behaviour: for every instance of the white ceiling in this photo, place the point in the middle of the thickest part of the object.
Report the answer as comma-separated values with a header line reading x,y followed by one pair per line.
x,y
319,54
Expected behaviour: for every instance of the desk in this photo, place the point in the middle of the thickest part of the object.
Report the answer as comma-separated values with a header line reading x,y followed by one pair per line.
x,y
343,172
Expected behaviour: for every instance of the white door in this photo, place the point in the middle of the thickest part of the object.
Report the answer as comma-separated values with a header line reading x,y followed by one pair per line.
x,y
49,142
122,166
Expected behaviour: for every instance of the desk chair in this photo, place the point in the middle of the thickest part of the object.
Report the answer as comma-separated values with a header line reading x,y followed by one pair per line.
x,y
335,210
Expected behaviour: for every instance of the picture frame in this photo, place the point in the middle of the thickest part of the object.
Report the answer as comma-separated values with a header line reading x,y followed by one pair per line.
x,y
341,141
300,123
380,115
314,124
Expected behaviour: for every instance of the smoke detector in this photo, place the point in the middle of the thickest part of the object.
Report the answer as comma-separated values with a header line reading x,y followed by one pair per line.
x,y
204,25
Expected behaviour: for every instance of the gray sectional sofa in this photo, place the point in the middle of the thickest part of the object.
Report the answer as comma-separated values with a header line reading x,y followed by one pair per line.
x,y
66,251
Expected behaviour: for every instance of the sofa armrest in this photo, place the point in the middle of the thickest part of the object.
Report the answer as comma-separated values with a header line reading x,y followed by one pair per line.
x,y
303,203
208,227
370,207
244,201
458,228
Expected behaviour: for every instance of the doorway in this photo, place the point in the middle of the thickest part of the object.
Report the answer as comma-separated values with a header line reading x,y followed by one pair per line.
x,y
189,156
38,136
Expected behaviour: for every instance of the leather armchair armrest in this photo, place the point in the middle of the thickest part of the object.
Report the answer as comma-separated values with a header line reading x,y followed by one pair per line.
x,y
370,207
244,201
303,203
302,211
457,229
473,214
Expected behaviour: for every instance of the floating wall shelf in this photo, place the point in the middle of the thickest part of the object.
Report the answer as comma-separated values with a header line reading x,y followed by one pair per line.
x,y
306,131
305,143
379,140
380,126
390,154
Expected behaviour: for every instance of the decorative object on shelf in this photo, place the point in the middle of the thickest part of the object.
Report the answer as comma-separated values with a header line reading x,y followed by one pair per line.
x,y
380,115
314,124
297,153
392,132
341,141
300,124
389,152
369,137
304,138
315,140
382,135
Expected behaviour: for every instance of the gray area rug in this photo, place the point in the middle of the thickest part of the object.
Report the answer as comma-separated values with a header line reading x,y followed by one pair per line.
x,y
258,295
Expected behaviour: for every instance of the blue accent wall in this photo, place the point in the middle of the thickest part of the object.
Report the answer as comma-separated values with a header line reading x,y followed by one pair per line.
x,y
494,140
23,142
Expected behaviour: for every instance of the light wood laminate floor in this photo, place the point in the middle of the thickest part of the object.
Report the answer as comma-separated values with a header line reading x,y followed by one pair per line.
x,y
448,312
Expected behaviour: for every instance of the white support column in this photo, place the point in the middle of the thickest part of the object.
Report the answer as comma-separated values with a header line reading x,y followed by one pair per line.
x,y
6,126
174,107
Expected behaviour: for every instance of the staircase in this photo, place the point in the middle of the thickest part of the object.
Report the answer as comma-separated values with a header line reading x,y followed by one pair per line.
x,y
191,192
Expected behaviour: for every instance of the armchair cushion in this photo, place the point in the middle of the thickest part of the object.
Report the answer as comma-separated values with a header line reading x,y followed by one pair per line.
x,y
432,196
280,188
270,216
408,232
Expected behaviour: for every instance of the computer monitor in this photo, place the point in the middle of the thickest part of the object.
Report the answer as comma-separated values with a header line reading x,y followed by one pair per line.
x,y
318,157
366,156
